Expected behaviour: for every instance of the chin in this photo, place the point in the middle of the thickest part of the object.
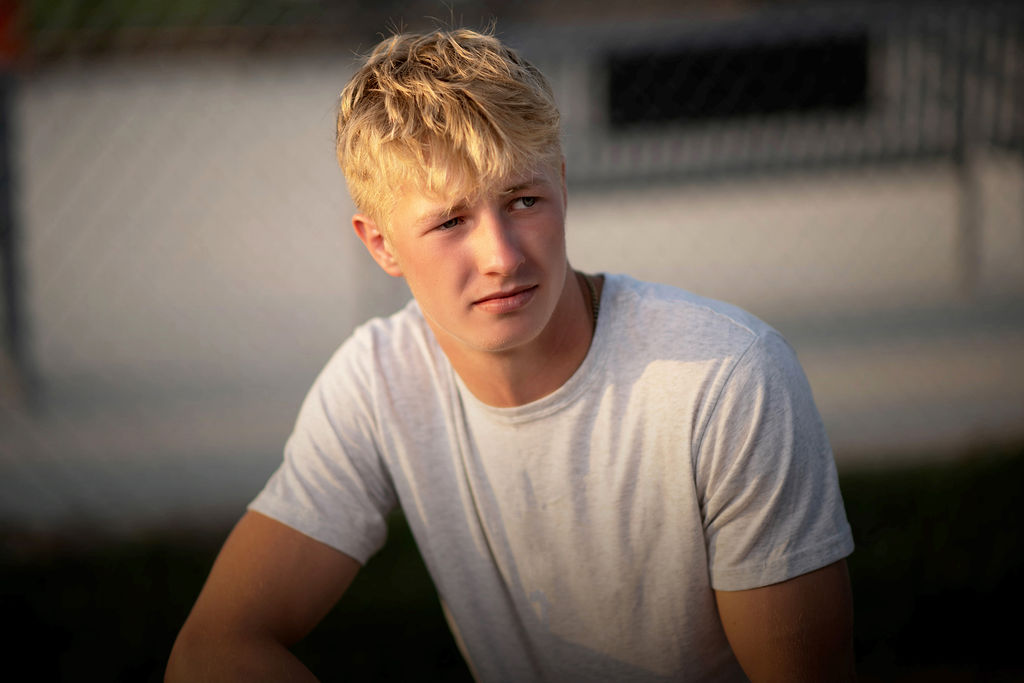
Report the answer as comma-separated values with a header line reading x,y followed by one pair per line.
x,y
507,340
501,343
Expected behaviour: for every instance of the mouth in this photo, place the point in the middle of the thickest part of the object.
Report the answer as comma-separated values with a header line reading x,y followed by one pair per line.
x,y
505,295
506,302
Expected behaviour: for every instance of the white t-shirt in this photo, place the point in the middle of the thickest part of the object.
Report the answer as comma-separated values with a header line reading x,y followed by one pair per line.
x,y
581,536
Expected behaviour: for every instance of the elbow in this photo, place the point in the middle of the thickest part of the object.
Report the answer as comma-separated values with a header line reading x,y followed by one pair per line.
x,y
186,661
200,654
220,655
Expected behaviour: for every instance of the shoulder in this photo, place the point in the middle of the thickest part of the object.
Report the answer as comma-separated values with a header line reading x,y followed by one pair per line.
x,y
381,354
726,363
647,314
403,329
381,341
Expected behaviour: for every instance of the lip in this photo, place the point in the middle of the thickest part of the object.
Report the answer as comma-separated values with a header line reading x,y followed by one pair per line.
x,y
506,302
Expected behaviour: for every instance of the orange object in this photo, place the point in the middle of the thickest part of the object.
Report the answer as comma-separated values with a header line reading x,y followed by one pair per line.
x,y
11,39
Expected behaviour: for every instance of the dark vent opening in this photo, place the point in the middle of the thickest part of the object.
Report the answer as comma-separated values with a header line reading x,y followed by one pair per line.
x,y
697,84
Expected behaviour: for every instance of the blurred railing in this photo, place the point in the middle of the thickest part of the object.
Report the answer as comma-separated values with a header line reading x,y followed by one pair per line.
x,y
821,85
178,266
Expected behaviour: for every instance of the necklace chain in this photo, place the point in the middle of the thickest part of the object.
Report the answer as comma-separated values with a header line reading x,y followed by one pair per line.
x,y
595,301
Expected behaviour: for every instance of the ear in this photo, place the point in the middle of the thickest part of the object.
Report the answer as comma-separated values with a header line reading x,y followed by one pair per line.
x,y
376,243
565,190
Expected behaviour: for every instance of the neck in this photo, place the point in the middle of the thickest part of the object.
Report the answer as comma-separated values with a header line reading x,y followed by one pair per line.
x,y
525,374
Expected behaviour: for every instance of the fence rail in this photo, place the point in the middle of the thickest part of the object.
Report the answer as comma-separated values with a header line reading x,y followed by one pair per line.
x,y
182,269
937,81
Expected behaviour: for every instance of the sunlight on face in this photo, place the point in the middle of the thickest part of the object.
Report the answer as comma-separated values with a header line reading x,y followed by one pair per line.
x,y
487,273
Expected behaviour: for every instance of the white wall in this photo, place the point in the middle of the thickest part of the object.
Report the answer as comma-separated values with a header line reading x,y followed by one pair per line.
x,y
190,268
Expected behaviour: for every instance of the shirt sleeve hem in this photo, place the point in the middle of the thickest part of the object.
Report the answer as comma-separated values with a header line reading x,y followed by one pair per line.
x,y
303,521
784,568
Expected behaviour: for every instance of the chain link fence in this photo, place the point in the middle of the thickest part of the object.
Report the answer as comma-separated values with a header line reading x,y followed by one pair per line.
x,y
179,265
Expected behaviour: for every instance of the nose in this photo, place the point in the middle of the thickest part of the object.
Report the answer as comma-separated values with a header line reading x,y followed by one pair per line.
x,y
496,244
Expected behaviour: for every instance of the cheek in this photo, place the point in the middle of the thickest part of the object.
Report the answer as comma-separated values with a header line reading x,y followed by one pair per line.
x,y
442,269
552,238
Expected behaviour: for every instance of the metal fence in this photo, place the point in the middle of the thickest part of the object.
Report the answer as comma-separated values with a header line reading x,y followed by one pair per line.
x,y
806,88
178,264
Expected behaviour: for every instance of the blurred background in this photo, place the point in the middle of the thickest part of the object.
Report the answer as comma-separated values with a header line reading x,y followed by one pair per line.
x,y
177,264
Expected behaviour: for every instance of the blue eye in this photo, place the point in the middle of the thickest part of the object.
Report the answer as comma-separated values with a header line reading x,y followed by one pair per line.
x,y
450,223
526,202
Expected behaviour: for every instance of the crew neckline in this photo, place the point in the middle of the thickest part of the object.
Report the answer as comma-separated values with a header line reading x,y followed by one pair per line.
x,y
566,394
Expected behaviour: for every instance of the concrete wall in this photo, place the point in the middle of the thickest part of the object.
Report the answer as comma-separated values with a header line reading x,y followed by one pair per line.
x,y
191,266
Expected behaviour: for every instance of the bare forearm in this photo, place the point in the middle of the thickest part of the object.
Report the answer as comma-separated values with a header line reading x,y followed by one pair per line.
x,y
197,659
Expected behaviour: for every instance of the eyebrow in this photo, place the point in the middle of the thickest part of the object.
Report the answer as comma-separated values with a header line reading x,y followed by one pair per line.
x,y
519,186
439,215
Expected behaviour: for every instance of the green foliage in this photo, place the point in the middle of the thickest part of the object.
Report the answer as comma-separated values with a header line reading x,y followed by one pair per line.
x,y
56,15
83,609
938,560
938,563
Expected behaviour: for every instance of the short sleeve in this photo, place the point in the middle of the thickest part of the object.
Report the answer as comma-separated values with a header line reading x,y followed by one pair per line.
x,y
766,477
332,484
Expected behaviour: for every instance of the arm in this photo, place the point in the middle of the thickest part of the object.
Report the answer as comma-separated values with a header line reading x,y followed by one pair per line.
x,y
797,630
269,586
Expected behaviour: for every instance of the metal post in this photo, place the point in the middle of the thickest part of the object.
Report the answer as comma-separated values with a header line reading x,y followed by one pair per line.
x,y
968,246
15,378
10,267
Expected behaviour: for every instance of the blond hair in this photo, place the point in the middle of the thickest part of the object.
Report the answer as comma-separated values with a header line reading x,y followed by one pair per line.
x,y
451,113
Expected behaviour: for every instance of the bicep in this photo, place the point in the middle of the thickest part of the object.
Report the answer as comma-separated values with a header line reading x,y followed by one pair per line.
x,y
796,630
271,581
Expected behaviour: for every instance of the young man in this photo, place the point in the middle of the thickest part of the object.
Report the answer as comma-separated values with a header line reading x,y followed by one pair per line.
x,y
607,479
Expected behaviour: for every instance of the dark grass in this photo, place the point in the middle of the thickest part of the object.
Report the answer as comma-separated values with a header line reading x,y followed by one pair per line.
x,y
938,569
936,575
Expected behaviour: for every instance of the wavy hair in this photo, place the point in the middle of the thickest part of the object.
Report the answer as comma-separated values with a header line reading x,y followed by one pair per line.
x,y
451,113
